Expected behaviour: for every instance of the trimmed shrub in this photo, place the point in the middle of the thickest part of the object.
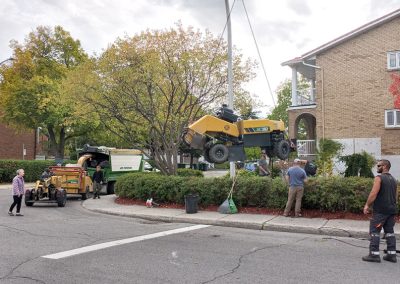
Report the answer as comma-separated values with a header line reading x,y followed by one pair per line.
x,y
189,173
325,194
33,169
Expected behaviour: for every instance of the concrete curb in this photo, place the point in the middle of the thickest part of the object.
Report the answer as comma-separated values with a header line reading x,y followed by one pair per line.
x,y
317,226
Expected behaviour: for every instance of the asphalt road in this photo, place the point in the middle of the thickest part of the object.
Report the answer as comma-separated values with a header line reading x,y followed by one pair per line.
x,y
204,255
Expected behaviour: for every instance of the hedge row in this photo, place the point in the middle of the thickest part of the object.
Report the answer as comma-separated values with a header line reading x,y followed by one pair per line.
x,y
326,194
33,169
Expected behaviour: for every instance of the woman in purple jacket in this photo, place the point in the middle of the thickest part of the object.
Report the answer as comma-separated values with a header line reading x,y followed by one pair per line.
x,y
17,192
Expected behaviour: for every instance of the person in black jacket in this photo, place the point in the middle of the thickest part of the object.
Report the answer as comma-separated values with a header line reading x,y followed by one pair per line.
x,y
97,180
383,195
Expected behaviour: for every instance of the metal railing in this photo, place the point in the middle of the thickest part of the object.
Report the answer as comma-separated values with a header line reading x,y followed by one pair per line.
x,y
305,97
306,147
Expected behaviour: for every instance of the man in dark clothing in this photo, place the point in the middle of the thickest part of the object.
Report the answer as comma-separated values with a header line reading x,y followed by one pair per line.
x,y
97,180
384,197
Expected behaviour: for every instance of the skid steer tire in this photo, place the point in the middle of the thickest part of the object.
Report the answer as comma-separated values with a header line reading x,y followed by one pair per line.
x,y
28,198
282,149
61,198
218,153
110,187
206,155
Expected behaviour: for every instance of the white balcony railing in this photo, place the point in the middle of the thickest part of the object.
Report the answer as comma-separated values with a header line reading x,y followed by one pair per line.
x,y
306,147
305,97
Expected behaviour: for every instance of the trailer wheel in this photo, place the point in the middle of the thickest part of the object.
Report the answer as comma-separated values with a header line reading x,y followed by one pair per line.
x,y
28,198
110,187
87,194
61,198
282,149
218,153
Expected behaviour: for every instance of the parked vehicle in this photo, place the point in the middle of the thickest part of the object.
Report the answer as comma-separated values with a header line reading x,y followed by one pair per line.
x,y
70,179
114,163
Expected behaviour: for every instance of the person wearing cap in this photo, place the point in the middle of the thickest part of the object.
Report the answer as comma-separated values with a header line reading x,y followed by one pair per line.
x,y
295,177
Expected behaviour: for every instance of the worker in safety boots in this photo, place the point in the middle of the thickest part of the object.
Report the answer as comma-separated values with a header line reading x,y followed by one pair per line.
x,y
383,195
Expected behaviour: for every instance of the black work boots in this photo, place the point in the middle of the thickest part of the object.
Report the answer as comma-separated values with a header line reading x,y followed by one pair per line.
x,y
390,257
372,258
377,258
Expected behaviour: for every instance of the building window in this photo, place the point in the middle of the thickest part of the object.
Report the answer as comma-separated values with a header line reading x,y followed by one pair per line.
x,y
393,60
392,118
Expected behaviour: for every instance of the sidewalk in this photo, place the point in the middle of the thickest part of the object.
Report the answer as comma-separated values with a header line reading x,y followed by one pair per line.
x,y
342,228
321,226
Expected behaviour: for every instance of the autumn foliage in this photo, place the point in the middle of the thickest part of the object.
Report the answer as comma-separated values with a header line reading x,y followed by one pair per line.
x,y
394,89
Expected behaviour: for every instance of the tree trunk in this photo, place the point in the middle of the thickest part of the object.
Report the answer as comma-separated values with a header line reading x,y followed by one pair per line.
x,y
57,149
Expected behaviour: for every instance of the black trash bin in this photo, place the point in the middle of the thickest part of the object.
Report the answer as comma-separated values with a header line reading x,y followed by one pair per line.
x,y
191,203
202,167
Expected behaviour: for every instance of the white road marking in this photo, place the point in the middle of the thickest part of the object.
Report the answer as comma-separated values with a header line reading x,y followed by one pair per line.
x,y
122,242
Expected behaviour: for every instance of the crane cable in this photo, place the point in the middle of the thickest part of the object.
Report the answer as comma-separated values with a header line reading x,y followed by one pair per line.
x,y
259,55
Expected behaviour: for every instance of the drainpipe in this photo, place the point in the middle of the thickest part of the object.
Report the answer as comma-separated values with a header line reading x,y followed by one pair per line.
x,y
322,95
294,86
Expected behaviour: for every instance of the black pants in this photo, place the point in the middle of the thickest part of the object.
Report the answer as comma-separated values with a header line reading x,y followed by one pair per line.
x,y
17,201
378,222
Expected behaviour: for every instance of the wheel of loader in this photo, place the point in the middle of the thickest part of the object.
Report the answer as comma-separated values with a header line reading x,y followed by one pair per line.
x,y
87,194
206,152
28,198
218,153
282,149
110,187
61,197
207,155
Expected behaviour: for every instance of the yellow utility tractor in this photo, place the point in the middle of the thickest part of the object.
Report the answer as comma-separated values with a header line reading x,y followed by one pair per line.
x,y
224,137
60,182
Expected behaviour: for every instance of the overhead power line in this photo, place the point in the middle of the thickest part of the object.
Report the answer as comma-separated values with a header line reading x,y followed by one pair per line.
x,y
259,55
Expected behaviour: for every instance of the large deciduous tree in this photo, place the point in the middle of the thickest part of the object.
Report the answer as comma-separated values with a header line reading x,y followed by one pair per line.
x,y
149,87
32,86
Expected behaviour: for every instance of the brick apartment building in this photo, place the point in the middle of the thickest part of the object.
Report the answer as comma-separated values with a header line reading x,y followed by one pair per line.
x,y
13,143
349,100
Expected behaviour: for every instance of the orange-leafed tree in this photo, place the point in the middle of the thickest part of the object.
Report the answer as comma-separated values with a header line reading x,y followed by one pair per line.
x,y
394,89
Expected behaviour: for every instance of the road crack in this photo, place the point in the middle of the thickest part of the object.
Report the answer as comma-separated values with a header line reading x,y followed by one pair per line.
x,y
254,250
8,275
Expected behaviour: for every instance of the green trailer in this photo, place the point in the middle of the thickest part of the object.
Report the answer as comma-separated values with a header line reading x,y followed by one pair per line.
x,y
113,162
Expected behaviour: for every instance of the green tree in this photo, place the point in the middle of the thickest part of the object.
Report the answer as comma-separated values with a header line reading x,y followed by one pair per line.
x,y
148,88
327,150
32,87
284,92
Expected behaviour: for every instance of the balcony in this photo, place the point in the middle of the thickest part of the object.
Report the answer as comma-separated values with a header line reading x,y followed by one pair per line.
x,y
306,148
305,97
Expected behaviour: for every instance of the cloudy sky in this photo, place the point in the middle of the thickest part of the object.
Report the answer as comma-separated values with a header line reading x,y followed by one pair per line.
x,y
283,29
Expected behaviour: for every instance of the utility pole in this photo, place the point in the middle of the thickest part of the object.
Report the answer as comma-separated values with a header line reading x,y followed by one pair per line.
x,y
230,73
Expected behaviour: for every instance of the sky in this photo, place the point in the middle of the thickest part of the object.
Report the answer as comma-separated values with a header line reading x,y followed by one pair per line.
x,y
283,29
